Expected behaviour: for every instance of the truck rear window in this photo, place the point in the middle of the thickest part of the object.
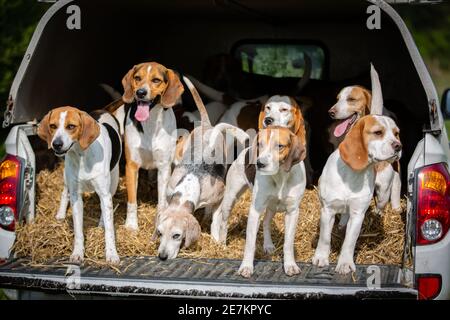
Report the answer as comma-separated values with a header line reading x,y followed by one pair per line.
x,y
280,60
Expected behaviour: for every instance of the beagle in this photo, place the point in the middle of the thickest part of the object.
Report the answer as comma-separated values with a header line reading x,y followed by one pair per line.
x,y
348,181
354,102
150,92
196,182
280,111
92,150
280,182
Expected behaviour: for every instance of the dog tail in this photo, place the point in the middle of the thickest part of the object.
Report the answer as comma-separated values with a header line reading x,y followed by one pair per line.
x,y
240,135
113,93
376,106
305,77
207,91
198,102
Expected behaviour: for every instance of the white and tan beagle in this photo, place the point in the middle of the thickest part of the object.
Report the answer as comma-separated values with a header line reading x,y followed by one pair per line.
x,y
280,182
348,181
92,150
150,92
280,111
353,103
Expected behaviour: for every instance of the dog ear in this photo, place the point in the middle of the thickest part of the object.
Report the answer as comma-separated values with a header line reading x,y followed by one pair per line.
x,y
368,97
254,151
193,231
262,115
353,149
299,122
89,132
155,232
296,153
173,91
43,130
128,94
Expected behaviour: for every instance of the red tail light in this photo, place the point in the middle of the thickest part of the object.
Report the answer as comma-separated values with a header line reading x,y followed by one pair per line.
x,y
433,204
10,172
428,286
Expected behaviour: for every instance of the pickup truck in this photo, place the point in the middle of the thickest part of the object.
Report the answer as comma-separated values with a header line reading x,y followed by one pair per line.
x,y
79,44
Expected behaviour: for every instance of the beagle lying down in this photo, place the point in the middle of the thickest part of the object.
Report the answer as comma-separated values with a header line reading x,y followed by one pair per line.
x,y
280,182
92,150
348,181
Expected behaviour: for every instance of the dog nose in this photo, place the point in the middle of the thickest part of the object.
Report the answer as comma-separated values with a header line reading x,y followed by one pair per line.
x,y
268,121
332,112
259,164
162,256
57,145
141,93
397,146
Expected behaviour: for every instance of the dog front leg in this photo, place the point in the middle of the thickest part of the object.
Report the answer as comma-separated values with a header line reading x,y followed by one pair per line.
x,y
131,176
234,187
246,268
322,253
106,205
61,215
269,247
290,221
163,180
396,189
76,202
345,262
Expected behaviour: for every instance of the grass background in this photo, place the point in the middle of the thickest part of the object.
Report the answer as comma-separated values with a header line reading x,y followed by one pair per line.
x,y
430,26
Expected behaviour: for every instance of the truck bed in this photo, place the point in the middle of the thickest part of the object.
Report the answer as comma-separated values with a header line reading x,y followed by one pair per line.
x,y
190,278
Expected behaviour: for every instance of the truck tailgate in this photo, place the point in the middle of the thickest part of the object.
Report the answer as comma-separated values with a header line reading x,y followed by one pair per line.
x,y
148,276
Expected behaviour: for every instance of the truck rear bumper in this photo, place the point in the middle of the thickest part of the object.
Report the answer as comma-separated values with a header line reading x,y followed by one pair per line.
x,y
201,279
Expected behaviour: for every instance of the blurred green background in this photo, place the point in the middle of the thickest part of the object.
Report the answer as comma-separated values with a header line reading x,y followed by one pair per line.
x,y
429,24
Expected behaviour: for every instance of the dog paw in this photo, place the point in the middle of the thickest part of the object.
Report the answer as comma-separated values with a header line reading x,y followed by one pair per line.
x,y
77,257
291,269
112,258
60,216
245,270
345,266
320,260
218,234
269,248
131,225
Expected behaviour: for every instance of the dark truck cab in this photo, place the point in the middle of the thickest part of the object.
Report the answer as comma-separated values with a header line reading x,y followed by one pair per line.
x,y
65,66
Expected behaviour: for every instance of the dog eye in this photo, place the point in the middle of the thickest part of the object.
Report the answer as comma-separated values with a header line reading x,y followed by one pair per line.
x,y
137,78
351,99
378,133
281,146
176,236
284,110
156,80
158,233
267,108
53,126
70,127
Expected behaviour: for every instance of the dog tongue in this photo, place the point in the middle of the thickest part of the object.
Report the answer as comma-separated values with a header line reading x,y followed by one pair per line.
x,y
142,112
341,128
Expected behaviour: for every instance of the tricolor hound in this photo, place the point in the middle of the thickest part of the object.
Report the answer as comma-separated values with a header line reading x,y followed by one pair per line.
x,y
92,150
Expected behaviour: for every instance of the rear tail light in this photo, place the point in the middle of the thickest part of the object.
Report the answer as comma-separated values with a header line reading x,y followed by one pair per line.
x,y
10,181
428,286
433,204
